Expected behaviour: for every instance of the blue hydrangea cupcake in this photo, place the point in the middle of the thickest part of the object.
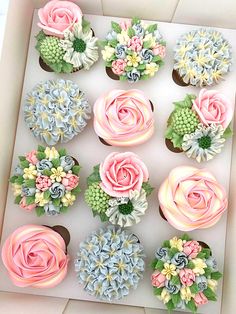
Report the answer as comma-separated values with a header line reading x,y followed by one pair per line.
x,y
109,263
202,57
56,111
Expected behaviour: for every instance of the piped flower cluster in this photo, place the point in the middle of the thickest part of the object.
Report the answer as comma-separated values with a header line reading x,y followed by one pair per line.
x,y
134,50
200,125
66,42
118,189
185,274
46,180
109,263
202,57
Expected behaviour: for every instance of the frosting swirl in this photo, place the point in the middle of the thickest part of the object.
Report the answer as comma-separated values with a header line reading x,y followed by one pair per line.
x,y
191,198
35,256
123,118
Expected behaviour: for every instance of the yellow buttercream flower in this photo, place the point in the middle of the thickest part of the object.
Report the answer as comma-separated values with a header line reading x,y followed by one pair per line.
x,y
107,53
212,284
68,199
40,200
123,37
169,270
51,153
133,60
199,266
16,189
150,39
186,294
151,69
165,296
57,174
176,243
30,173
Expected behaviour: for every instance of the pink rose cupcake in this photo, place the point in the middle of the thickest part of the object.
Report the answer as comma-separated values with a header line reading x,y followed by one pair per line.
x,y
123,118
35,256
191,198
117,189
199,126
183,281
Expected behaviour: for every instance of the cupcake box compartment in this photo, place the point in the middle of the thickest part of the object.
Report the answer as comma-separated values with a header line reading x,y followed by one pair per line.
x,y
86,147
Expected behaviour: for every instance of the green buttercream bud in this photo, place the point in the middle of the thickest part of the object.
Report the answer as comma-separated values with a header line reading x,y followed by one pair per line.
x,y
184,121
96,198
51,51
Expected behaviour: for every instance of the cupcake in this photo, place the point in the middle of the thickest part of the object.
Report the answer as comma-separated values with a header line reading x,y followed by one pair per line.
x,y
123,118
201,58
35,256
110,263
133,50
56,111
185,274
199,126
191,198
118,188
66,42
46,180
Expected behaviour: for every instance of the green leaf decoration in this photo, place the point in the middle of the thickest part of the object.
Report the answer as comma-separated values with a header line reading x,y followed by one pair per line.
x,y
201,255
30,200
177,140
170,305
40,211
145,77
76,169
185,237
56,162
210,294
208,272
135,20
56,202
176,298
207,252
108,64
76,191
41,155
194,288
162,42
30,183
18,199
190,265
13,179
141,67
166,244
21,158
131,32
103,217
40,36
24,164
159,265
157,291
156,59
147,188
173,251
186,103
228,132
160,63
113,43
19,180
147,44
64,209
191,306
41,148
46,195
47,172
116,27
102,43
64,67
128,69
175,280
151,28
123,78
94,176
85,25
216,275
153,263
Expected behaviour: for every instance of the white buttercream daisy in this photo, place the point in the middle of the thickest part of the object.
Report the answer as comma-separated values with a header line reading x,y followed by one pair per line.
x,y
80,47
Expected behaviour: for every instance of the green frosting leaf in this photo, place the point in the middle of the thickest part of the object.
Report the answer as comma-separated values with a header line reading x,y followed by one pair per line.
x,y
216,275
66,67
47,195
63,209
116,27
62,152
40,36
103,217
131,32
207,252
159,265
145,77
185,237
177,140
208,272
30,183
76,169
30,200
190,265
21,158
47,172
228,132
102,43
147,44
56,162
173,251
24,164
135,20
157,291
175,280
153,263
156,59
13,179
18,199
147,188
151,28
94,176
201,255
76,191
210,294
194,288
141,67
176,298
170,305
40,211
191,306
123,78
128,68
40,155
19,180
56,202
166,244
108,64
85,25
41,148
113,43
186,103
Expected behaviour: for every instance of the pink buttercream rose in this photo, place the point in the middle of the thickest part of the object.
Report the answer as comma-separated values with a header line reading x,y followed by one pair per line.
x,y
213,107
125,24
31,157
35,256
123,118
43,183
159,50
187,277
118,66
158,279
121,173
135,43
191,198
23,204
200,299
191,249
58,16
70,181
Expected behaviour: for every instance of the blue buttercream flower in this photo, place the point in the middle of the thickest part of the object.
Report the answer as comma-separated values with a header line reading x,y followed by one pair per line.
x,y
51,210
133,76
139,30
180,260
57,190
201,282
120,51
111,35
171,288
146,55
162,254
109,263
44,164
28,191
18,171
67,162
211,262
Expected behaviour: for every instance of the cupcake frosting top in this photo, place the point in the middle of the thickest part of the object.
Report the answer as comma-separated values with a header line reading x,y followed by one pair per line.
x,y
35,256
123,118
191,198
